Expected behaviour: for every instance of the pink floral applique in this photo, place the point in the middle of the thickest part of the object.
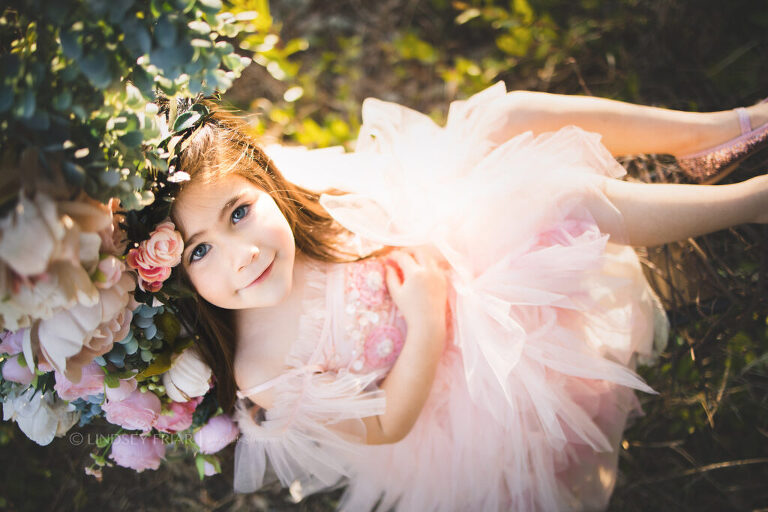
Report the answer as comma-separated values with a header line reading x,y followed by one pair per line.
x,y
369,283
374,326
382,346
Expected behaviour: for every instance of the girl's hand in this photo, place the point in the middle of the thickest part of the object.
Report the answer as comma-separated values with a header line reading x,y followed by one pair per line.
x,y
421,297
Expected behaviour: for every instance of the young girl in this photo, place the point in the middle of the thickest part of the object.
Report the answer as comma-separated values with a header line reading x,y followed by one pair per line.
x,y
454,323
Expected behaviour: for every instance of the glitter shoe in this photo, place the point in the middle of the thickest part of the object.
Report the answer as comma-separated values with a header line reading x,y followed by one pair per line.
x,y
714,164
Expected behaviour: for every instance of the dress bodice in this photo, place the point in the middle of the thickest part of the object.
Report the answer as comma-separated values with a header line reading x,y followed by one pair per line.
x,y
348,323
373,329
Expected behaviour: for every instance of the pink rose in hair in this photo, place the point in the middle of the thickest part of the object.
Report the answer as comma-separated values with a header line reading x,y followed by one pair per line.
x,y
139,411
155,257
91,383
14,372
216,434
180,417
136,452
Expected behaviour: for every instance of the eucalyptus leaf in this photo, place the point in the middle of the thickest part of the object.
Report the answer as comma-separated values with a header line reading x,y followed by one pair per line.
x,y
63,100
200,27
10,65
165,32
96,68
6,97
70,45
26,107
143,81
111,381
133,138
74,173
200,464
137,37
118,9
186,120
210,6
38,121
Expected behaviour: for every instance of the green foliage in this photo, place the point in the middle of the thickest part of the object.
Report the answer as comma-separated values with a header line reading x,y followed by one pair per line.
x,y
79,77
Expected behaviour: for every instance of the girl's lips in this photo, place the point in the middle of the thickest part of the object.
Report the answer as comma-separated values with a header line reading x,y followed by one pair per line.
x,y
263,275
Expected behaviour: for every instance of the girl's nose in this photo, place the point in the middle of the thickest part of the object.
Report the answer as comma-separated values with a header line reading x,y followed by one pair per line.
x,y
250,254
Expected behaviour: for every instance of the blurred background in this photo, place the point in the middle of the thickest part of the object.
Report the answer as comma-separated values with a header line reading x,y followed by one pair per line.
x,y
703,442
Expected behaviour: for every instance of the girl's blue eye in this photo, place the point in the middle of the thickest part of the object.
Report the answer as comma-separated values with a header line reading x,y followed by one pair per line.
x,y
239,213
198,252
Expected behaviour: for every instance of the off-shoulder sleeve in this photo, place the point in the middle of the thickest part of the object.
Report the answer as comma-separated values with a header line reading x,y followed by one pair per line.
x,y
297,437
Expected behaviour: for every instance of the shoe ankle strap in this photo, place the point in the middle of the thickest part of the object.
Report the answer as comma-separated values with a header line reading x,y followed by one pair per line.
x,y
744,123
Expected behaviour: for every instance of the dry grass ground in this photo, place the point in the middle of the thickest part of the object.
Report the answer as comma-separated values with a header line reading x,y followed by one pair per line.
x,y
703,444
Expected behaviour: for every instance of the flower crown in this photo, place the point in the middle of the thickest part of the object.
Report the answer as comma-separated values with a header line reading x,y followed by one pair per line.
x,y
158,251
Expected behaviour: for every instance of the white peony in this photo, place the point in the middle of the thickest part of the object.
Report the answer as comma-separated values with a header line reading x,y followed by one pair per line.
x,y
187,378
71,338
47,252
30,234
40,417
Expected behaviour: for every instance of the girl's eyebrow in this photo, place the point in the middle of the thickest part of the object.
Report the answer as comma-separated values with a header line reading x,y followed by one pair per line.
x,y
223,212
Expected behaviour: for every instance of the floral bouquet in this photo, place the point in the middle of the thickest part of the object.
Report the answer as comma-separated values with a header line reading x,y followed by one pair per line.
x,y
77,344
88,327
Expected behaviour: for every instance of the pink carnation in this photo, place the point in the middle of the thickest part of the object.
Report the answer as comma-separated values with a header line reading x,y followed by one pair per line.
x,y
137,412
91,383
216,434
136,452
155,257
14,372
180,417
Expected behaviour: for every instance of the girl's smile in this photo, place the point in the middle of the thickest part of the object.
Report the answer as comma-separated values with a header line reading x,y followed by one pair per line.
x,y
239,249
262,276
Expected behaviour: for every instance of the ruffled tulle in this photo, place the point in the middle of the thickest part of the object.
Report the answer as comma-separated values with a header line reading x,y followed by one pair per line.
x,y
549,317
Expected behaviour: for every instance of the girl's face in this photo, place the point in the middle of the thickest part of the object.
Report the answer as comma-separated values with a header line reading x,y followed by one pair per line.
x,y
238,247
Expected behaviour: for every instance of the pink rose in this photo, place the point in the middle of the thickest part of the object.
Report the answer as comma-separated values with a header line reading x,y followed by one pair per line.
x,y
122,391
136,452
91,383
180,417
138,411
164,247
216,434
113,238
11,342
14,372
155,257
110,270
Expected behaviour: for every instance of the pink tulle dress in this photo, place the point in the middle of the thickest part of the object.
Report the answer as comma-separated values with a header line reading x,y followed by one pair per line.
x,y
548,317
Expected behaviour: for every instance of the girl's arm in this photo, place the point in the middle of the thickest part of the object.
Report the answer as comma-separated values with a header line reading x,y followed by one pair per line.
x,y
407,387
421,297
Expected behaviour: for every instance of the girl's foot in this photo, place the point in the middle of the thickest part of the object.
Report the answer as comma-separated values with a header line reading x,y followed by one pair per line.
x,y
713,164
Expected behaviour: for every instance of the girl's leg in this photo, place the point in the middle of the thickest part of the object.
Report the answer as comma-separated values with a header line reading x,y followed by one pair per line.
x,y
626,128
656,214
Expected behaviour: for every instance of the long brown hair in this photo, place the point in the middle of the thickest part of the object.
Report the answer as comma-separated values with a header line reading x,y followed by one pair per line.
x,y
222,146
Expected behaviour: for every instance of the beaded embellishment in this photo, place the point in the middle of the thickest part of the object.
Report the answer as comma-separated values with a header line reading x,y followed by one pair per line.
x,y
373,323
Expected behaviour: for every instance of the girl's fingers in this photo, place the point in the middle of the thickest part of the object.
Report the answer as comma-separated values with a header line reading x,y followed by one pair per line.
x,y
405,261
393,282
